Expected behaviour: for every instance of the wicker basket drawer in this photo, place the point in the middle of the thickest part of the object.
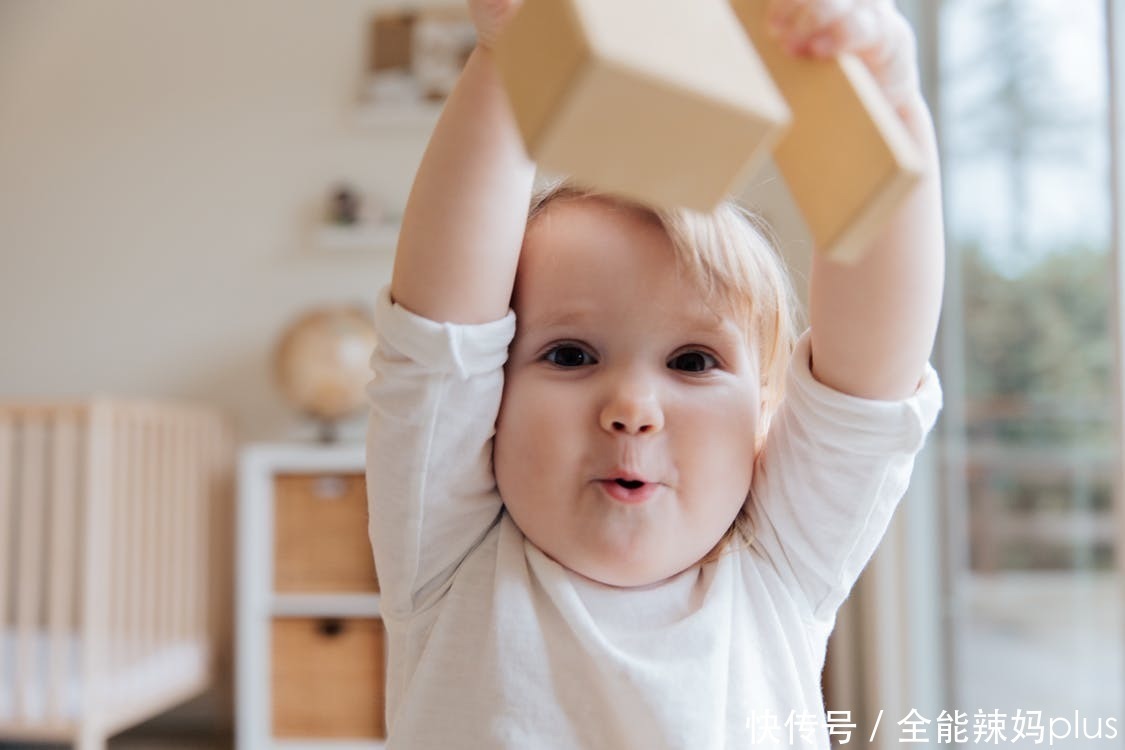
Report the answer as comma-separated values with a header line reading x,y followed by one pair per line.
x,y
320,534
327,678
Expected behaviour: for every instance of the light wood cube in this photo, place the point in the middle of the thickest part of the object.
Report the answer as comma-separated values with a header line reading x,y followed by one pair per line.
x,y
847,158
663,101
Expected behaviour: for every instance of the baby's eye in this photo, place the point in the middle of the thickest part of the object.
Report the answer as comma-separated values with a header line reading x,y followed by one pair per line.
x,y
692,362
569,355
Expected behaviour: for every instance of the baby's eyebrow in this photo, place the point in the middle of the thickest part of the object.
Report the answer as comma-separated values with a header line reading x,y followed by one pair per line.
x,y
707,324
559,319
721,333
690,324
572,316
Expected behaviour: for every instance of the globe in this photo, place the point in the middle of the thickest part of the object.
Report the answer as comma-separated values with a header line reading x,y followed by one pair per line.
x,y
321,363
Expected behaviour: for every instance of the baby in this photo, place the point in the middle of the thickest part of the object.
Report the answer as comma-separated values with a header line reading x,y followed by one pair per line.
x,y
615,502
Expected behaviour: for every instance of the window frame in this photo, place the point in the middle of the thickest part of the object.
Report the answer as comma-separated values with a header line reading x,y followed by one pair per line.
x,y
902,624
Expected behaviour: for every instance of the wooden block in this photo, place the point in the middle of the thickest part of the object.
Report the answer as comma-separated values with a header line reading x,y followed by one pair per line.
x,y
847,157
663,102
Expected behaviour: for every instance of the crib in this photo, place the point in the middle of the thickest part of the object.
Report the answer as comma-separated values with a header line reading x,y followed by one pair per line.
x,y
107,563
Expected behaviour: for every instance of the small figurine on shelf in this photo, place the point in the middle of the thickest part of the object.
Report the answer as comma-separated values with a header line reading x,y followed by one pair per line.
x,y
348,208
345,206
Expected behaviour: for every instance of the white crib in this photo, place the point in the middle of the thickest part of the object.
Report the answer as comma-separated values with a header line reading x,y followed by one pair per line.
x,y
107,563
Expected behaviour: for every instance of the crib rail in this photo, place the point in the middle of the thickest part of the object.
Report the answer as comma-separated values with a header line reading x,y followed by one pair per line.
x,y
106,544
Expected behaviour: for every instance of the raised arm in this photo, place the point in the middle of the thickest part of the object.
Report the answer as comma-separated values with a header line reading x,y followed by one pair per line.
x,y
464,220
431,491
873,323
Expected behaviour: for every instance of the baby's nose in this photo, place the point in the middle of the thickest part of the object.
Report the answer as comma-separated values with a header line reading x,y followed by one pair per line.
x,y
632,412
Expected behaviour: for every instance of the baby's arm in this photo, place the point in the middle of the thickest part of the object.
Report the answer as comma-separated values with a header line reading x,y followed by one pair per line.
x,y
873,323
464,220
443,337
835,466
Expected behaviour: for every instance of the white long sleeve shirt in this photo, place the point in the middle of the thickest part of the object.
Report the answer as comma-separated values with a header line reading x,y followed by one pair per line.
x,y
491,644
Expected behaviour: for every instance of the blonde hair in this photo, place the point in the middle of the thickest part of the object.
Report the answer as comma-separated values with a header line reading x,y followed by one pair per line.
x,y
729,254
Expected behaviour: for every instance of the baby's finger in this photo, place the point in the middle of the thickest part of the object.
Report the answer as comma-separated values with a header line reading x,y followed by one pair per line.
x,y
490,16
780,14
870,29
816,17
865,30
893,61
885,43
867,27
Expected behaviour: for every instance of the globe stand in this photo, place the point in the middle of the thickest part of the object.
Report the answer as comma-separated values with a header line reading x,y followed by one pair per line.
x,y
327,431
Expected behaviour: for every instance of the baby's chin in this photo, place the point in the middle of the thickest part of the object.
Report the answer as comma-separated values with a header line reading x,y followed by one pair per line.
x,y
628,579
621,571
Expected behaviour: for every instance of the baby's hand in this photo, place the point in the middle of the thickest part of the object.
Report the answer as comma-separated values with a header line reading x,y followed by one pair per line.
x,y
873,30
489,16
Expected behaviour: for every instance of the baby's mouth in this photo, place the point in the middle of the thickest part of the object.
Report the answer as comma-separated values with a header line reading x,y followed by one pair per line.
x,y
629,491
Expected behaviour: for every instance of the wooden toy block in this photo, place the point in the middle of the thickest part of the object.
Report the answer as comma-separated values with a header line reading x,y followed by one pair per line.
x,y
663,102
847,157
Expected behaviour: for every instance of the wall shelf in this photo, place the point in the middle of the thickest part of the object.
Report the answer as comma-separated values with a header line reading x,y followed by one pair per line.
x,y
417,116
325,605
331,239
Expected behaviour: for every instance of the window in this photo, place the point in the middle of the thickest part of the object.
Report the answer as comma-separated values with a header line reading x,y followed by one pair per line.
x,y
1029,446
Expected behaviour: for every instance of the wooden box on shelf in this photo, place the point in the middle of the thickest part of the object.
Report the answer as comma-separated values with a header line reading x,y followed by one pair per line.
x,y
311,666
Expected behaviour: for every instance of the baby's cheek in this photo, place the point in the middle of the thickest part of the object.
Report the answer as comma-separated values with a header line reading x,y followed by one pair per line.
x,y
524,432
732,443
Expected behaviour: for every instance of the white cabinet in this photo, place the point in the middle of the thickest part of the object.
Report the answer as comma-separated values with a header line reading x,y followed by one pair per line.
x,y
311,664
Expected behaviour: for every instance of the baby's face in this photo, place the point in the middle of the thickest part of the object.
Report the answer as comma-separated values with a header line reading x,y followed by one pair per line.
x,y
625,441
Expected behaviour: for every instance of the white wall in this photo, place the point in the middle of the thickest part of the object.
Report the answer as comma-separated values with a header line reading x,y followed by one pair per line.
x,y
161,167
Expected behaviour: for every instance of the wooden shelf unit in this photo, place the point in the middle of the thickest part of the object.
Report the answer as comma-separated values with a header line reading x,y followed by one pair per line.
x,y
311,644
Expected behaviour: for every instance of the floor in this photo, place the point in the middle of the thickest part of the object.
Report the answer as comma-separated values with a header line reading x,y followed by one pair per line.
x,y
1046,642
148,740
